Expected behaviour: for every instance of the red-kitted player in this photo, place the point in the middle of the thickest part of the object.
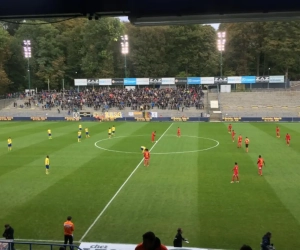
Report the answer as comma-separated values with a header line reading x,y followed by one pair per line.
x,y
229,128
235,175
240,140
178,132
146,157
260,164
233,135
277,132
153,136
288,139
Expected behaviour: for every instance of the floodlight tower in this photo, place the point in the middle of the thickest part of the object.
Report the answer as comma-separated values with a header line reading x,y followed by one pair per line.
x,y
221,47
125,51
27,55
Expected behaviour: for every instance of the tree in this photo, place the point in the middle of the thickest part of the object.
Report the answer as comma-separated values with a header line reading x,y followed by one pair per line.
x,y
71,35
192,50
5,41
148,53
99,38
47,61
237,55
282,46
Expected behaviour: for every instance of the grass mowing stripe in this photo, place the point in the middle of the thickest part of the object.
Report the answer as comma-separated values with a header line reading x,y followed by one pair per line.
x,y
159,198
104,209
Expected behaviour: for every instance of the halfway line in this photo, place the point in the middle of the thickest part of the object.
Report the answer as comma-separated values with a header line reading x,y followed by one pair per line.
x,y
111,200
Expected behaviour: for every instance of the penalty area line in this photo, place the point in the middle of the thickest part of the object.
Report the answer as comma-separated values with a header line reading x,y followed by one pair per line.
x,y
111,200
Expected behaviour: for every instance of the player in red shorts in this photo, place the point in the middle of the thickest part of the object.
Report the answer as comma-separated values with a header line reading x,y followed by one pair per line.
x,y
233,135
260,164
288,139
146,157
277,132
178,132
153,136
229,128
235,173
240,140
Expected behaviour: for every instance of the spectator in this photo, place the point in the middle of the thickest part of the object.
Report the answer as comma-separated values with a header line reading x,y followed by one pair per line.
x,y
177,242
245,247
68,232
9,235
266,242
150,242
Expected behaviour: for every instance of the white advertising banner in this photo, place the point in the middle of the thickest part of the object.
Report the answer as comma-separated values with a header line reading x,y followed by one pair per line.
x,y
154,114
109,246
234,79
142,81
225,88
168,81
207,80
214,104
80,82
105,82
276,79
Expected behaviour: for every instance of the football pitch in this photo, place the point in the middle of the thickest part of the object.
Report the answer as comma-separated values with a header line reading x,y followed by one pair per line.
x,y
103,184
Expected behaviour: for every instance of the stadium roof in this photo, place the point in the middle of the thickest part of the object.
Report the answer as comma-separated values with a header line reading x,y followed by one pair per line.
x,y
156,12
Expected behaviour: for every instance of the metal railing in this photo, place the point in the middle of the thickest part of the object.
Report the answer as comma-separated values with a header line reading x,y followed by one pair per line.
x,y
10,244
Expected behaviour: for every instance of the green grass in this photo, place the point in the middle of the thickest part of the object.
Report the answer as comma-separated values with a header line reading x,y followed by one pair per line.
x,y
190,190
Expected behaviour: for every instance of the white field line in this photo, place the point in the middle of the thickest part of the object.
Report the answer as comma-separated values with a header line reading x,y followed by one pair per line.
x,y
111,200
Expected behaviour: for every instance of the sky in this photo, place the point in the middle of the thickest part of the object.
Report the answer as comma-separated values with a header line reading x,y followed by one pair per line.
x,y
215,25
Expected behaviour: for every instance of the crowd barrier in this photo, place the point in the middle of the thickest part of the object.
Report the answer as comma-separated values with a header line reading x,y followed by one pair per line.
x,y
261,119
120,119
154,119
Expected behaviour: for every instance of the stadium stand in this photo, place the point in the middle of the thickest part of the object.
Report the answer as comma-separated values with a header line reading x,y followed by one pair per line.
x,y
261,104
168,102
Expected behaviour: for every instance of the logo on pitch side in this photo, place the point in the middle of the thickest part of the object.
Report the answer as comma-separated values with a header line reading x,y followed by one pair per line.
x,y
97,247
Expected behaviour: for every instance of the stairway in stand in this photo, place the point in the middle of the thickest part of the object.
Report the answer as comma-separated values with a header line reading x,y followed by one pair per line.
x,y
215,113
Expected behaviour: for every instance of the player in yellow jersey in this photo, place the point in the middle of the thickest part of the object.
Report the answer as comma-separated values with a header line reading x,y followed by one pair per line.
x,y
79,136
49,134
109,132
113,130
9,144
80,127
47,164
87,135
143,148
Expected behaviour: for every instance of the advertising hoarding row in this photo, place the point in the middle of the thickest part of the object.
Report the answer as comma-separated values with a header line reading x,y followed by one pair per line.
x,y
179,81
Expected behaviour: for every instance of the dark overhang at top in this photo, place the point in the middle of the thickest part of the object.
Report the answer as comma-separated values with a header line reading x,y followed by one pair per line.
x,y
156,12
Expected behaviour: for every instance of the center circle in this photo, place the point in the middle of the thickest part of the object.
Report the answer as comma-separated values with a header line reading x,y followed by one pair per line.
x,y
161,153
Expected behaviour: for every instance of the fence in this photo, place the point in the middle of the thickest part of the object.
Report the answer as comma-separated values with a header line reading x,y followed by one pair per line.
x,y
7,245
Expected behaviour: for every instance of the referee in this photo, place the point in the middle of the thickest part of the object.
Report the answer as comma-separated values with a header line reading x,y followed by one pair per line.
x,y
177,242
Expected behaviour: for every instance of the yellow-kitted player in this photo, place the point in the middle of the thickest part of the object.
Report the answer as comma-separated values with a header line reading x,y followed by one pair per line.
x,y
49,134
143,148
9,144
87,134
79,136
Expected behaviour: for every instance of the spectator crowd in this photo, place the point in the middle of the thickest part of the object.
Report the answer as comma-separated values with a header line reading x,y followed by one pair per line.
x,y
106,97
